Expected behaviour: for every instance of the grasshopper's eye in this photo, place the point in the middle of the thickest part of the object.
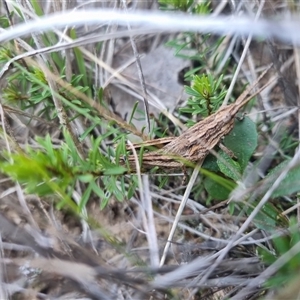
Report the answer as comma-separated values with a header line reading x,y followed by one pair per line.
x,y
240,116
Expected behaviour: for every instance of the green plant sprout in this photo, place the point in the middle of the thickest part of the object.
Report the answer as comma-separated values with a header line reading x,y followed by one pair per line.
x,y
206,96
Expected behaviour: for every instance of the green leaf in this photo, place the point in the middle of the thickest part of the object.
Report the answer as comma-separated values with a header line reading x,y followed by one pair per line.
x,y
120,149
289,185
266,218
215,189
210,163
37,173
86,178
295,234
231,207
104,202
131,191
242,141
135,106
191,91
80,61
96,189
115,170
229,167
86,195
217,186
88,131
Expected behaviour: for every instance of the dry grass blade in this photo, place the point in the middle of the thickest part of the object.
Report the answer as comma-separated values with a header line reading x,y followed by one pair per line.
x,y
179,212
284,30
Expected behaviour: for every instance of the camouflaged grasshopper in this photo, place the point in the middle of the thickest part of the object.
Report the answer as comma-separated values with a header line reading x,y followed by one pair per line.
x,y
197,141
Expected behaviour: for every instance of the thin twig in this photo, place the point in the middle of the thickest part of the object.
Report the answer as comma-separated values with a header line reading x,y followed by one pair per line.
x,y
140,72
180,210
246,47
